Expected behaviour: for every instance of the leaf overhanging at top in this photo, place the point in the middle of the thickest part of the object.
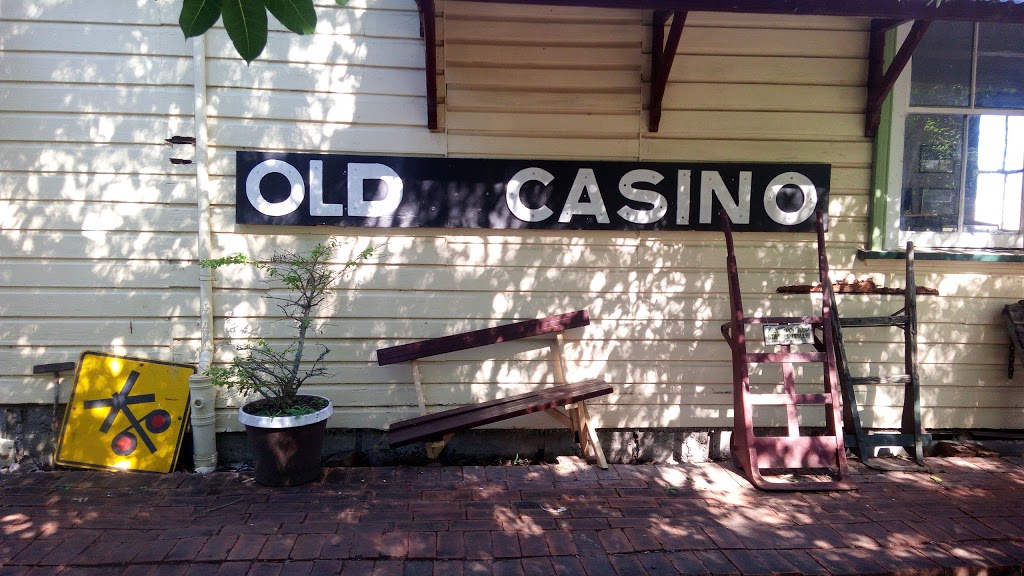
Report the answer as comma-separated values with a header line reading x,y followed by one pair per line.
x,y
198,16
296,15
246,24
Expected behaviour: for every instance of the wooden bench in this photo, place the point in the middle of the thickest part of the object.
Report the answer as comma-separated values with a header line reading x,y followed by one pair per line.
x,y
437,428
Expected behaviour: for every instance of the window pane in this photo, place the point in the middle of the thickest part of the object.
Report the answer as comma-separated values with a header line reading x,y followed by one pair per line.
x,y
941,70
992,199
932,167
1000,82
1015,143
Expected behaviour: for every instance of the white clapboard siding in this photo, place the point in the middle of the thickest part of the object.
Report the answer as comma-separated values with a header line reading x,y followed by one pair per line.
x,y
39,98
74,216
321,48
231,134
40,274
484,11
128,188
131,42
105,303
320,108
92,70
538,80
130,12
90,159
821,23
97,235
328,77
35,336
79,127
98,246
756,69
520,85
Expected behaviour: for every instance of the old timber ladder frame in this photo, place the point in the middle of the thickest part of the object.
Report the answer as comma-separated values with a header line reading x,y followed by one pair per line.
x,y
911,436
792,454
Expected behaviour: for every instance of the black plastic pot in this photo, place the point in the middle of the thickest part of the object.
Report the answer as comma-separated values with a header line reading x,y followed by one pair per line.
x,y
286,449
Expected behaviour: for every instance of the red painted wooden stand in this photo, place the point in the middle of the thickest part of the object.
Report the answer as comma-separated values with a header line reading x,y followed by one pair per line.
x,y
776,462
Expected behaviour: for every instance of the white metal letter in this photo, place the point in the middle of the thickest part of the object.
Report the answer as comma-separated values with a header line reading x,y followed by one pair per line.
x,y
771,198
574,205
286,206
711,183
389,182
317,207
683,197
515,201
659,205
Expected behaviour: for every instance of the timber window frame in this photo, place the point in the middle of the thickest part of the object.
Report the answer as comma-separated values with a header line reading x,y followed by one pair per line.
x,y
957,225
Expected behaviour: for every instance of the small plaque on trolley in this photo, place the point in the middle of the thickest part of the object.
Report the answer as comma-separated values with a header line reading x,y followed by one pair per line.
x,y
785,334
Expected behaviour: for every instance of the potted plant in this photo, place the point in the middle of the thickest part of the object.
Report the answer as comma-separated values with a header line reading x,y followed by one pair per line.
x,y
285,429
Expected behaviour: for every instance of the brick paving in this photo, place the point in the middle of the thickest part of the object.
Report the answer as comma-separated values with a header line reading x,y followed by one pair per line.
x,y
966,517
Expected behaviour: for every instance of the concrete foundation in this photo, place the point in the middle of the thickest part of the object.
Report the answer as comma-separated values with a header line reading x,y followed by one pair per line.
x,y
33,430
362,447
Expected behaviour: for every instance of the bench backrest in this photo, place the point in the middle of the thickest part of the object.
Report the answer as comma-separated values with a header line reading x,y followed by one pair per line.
x,y
484,337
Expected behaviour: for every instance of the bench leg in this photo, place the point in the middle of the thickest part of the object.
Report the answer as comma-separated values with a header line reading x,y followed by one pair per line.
x,y
434,448
562,418
578,421
588,431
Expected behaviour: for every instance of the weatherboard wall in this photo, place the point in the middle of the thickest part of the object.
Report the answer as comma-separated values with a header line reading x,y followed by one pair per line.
x,y
99,234
97,226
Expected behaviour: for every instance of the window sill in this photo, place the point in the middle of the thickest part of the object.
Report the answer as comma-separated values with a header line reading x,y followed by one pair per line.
x,y
961,254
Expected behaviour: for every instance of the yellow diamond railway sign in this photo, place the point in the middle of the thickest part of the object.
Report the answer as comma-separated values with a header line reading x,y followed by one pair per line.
x,y
125,414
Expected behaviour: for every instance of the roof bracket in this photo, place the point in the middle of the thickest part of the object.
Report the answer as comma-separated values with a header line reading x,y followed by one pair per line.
x,y
663,53
879,84
429,35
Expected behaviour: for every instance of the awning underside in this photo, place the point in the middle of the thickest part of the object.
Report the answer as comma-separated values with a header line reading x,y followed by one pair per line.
x,y
884,14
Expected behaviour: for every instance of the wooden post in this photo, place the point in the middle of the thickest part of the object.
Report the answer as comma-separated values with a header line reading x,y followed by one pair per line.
x,y
421,397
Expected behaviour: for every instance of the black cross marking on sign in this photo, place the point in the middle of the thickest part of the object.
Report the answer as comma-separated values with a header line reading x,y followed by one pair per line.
x,y
121,402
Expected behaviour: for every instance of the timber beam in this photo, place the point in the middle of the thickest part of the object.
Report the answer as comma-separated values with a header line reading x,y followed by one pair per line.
x,y
429,34
663,53
880,84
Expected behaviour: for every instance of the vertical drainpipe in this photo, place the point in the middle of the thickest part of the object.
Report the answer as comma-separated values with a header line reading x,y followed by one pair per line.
x,y
203,394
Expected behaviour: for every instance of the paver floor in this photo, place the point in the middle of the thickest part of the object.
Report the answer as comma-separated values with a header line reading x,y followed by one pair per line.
x,y
966,517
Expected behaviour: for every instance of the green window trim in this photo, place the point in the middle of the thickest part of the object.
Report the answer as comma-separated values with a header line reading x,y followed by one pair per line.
x,y
880,172
880,199
881,235
946,254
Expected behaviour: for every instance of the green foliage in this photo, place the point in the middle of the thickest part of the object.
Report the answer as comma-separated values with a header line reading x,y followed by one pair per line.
x,y
198,16
215,263
296,15
274,374
246,25
246,20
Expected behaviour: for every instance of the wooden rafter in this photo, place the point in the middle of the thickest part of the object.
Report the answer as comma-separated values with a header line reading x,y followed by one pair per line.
x,y
429,35
879,84
884,15
663,54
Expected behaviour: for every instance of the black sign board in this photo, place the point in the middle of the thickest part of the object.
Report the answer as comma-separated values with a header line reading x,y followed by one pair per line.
x,y
406,192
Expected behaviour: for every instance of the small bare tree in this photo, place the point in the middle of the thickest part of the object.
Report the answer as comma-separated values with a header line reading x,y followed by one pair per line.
x,y
277,375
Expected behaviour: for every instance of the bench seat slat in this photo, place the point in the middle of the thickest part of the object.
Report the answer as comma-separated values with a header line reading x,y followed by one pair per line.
x,y
440,423
483,337
541,395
